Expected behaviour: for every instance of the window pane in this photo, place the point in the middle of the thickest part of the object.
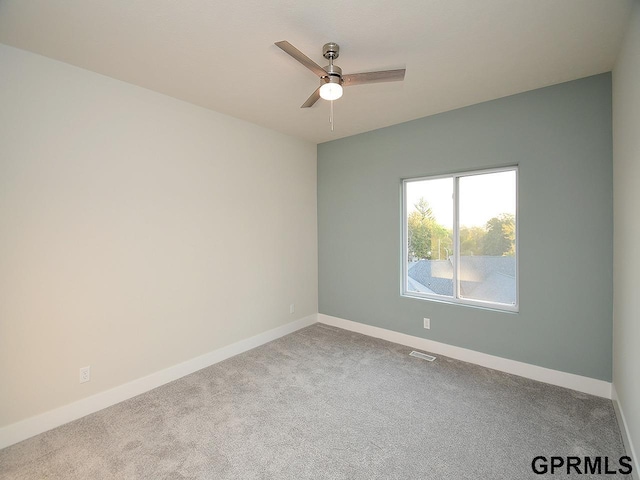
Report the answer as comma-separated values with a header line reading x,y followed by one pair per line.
x,y
429,211
487,209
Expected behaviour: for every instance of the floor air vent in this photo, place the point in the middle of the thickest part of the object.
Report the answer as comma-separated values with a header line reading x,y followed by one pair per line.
x,y
423,356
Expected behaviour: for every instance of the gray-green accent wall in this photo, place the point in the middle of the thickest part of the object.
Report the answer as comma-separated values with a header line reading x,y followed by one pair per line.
x,y
561,139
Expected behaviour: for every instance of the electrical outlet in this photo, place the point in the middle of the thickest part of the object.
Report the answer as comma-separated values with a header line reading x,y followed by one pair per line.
x,y
85,374
427,323
292,308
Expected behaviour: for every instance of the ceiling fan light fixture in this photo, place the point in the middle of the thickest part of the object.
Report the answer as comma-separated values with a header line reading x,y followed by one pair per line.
x,y
332,90
331,78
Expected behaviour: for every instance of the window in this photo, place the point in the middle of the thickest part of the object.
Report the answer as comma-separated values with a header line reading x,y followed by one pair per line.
x,y
460,238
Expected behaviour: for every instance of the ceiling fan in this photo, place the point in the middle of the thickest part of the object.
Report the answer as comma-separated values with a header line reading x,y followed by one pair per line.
x,y
331,78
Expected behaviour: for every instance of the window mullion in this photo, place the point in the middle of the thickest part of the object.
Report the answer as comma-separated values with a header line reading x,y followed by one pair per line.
x,y
456,238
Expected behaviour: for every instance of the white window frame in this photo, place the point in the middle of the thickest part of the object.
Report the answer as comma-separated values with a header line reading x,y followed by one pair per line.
x,y
455,299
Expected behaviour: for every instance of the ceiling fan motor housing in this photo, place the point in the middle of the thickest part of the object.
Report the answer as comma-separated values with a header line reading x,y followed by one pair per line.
x,y
334,74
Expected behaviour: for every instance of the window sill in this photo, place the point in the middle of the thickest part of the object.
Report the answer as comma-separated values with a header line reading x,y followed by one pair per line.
x,y
493,307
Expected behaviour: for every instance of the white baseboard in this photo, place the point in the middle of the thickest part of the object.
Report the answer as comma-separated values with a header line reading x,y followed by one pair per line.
x,y
29,427
624,430
588,385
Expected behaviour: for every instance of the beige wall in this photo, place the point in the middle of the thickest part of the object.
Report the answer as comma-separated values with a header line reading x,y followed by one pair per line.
x,y
626,187
137,231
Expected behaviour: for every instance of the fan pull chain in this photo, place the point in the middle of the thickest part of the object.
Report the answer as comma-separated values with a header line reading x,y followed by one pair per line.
x,y
331,115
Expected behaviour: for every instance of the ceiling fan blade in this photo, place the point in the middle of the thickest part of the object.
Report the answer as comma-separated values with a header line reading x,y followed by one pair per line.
x,y
373,77
315,96
302,58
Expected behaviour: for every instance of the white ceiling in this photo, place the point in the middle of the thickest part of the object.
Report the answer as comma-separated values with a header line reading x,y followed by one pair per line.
x,y
220,54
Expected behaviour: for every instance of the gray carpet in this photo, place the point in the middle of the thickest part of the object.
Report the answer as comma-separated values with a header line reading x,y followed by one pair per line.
x,y
325,403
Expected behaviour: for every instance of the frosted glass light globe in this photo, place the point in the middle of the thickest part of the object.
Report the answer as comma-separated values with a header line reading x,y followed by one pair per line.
x,y
331,91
